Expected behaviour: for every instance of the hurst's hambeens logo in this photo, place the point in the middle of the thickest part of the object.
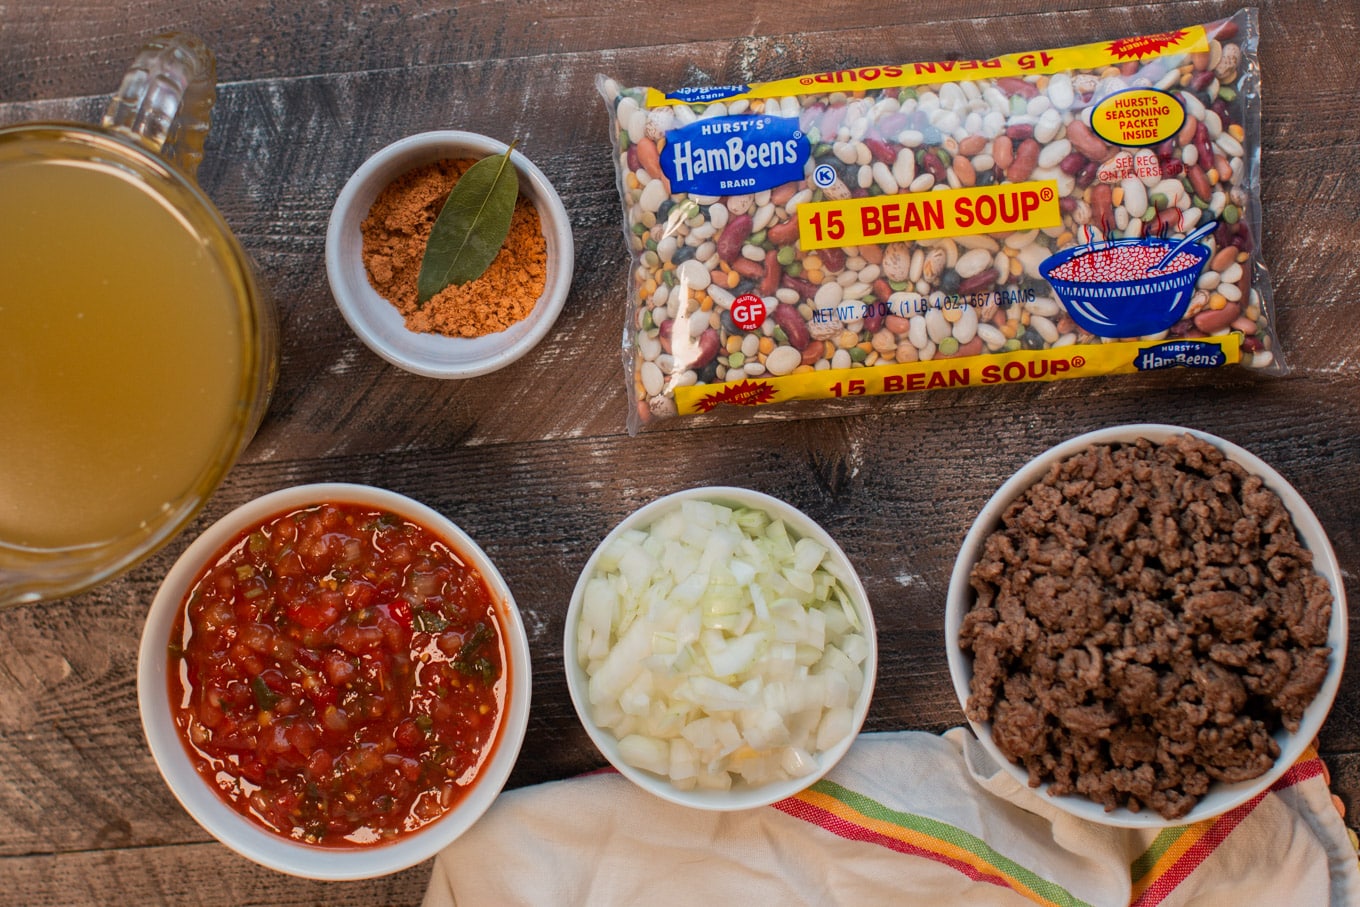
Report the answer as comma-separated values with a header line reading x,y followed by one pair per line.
x,y
734,154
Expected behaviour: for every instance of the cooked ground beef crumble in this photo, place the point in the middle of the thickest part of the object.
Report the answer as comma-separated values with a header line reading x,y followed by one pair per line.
x,y
1145,619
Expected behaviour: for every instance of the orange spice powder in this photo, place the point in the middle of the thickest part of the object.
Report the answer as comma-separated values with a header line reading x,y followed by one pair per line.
x,y
394,236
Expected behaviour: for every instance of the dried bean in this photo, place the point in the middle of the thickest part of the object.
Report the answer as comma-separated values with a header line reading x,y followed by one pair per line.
x,y
963,169
1016,86
783,360
931,163
1024,162
650,159
1200,182
1084,140
972,145
833,258
1223,258
978,282
1211,320
1102,208
784,233
733,237
791,322
752,270
1003,153
972,347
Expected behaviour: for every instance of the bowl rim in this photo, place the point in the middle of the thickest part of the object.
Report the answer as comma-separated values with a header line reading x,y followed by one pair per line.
x,y
378,323
1221,797
234,830
737,798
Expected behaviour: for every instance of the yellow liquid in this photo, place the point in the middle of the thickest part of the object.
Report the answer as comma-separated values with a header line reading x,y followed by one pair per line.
x,y
120,354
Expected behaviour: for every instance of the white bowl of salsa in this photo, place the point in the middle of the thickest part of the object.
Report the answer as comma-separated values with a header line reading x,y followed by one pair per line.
x,y
334,681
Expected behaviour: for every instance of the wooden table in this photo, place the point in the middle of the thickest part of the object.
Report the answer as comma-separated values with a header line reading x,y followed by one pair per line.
x,y
535,462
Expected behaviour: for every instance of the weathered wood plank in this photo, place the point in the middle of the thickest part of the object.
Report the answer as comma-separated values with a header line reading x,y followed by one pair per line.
x,y
194,875
66,48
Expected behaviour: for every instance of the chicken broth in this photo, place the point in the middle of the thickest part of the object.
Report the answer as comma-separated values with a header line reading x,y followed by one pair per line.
x,y
121,353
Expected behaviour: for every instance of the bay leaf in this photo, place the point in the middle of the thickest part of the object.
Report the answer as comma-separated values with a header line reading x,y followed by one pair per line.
x,y
471,227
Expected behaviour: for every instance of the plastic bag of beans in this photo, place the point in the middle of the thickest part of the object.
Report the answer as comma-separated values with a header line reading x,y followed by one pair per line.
x,y
911,226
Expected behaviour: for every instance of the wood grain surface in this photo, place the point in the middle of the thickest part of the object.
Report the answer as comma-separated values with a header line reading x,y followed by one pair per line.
x,y
535,462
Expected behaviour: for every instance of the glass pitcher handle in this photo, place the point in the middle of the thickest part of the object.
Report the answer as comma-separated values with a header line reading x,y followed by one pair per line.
x,y
165,101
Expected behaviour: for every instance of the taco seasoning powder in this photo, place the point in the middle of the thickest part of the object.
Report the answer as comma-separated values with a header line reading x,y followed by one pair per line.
x,y
394,236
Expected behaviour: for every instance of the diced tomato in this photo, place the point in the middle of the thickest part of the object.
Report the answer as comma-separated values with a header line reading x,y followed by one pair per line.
x,y
358,640
252,770
401,613
409,734
289,564
319,691
318,765
408,768
274,678
257,637
340,669
303,737
315,613
358,593
334,718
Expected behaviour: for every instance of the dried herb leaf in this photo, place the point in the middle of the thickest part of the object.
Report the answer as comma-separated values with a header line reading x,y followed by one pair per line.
x,y
471,227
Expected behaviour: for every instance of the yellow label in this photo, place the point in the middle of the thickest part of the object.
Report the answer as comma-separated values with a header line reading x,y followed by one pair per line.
x,y
928,215
1138,116
1020,366
1085,56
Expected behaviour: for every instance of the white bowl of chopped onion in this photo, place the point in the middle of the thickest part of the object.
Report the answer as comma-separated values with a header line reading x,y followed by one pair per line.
x,y
720,650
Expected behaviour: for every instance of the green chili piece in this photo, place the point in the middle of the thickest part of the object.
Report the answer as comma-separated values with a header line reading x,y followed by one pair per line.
x,y
265,698
428,621
468,661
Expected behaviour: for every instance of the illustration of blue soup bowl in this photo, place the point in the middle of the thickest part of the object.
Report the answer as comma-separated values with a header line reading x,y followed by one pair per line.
x,y
1113,295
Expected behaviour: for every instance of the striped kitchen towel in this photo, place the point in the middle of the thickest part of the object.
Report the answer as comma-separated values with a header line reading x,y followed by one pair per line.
x,y
905,818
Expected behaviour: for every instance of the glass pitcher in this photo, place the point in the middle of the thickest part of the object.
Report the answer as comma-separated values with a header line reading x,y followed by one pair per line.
x,y
137,349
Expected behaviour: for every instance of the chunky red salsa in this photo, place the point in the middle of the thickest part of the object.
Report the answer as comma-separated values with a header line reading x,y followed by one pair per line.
x,y
338,675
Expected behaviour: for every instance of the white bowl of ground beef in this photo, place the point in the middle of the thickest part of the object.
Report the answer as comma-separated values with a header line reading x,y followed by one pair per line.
x,y
1143,631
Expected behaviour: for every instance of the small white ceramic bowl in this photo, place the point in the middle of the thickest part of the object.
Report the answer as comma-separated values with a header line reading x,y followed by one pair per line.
x,y
252,840
378,323
740,795
1221,796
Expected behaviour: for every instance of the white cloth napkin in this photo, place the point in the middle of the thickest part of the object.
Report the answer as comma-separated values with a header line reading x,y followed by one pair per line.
x,y
905,818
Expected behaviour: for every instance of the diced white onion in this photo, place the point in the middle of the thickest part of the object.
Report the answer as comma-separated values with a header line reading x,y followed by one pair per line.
x,y
720,648
646,753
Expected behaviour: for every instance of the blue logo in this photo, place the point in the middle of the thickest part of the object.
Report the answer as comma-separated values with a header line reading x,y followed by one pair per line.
x,y
1180,354
735,154
706,94
824,176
